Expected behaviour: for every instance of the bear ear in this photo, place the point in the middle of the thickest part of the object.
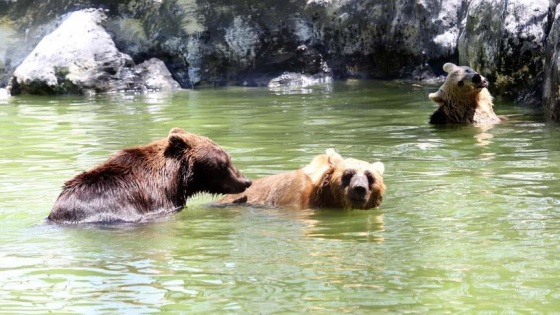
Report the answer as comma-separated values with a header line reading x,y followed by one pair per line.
x,y
176,130
448,67
179,141
378,167
436,97
334,157
319,166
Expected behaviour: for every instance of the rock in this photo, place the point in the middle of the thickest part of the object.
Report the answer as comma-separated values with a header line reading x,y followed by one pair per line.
x,y
81,57
505,43
78,55
156,76
550,91
149,76
386,39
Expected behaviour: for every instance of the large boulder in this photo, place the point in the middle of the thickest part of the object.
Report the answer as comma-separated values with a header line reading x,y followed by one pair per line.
x,y
80,57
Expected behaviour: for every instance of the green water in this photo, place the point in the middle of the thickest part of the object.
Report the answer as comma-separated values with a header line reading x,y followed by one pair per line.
x,y
470,222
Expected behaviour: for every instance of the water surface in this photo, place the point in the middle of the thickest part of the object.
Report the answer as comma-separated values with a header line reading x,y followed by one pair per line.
x,y
470,222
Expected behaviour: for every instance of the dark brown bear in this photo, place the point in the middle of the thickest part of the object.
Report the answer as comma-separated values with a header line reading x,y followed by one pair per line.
x,y
144,182
329,181
463,98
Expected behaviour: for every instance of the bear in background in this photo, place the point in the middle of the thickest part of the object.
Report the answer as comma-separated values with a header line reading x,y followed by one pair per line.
x,y
329,181
463,98
144,182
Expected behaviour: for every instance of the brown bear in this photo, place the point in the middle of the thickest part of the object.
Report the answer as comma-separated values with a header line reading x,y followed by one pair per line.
x,y
329,181
463,98
148,181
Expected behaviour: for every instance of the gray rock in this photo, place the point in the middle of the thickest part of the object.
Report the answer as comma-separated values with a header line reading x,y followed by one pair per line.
x,y
81,57
551,73
505,42
18,40
149,76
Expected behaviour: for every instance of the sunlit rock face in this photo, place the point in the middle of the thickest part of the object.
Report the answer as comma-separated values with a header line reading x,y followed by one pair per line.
x,y
250,43
81,57
505,42
78,54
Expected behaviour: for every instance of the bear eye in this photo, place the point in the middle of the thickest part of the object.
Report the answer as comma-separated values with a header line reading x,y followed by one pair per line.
x,y
461,83
347,176
370,178
217,165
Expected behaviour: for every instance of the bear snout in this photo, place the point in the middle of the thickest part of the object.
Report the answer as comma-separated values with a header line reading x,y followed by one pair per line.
x,y
476,79
479,81
358,188
359,191
247,182
238,185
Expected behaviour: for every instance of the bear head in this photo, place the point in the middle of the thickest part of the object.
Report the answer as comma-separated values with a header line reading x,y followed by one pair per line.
x,y
461,82
356,184
208,168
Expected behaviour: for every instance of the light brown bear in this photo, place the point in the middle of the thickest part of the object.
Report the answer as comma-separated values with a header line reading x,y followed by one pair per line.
x,y
140,183
329,181
463,98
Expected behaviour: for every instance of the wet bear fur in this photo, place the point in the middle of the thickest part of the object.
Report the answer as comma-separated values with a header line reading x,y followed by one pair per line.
x,y
329,181
463,98
144,182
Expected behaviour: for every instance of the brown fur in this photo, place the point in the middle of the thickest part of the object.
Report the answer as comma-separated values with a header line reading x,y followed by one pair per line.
x,y
141,182
463,98
329,181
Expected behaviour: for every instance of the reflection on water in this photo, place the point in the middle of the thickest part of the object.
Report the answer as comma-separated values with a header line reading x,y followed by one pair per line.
x,y
470,222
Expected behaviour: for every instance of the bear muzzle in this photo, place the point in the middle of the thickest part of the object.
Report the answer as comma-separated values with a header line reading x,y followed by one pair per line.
x,y
247,183
358,189
237,182
239,186
479,81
